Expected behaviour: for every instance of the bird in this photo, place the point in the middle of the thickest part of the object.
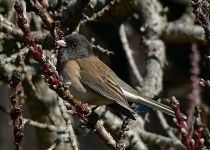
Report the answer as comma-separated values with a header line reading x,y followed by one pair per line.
x,y
93,82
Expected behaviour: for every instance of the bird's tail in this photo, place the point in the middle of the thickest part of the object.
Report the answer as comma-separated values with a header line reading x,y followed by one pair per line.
x,y
140,98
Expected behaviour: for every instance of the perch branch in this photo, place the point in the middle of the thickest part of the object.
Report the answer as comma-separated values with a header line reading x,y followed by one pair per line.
x,y
56,84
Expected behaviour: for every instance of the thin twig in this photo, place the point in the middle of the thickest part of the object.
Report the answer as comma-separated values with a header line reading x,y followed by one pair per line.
x,y
198,131
52,128
181,124
101,49
129,53
123,129
14,56
55,144
165,125
16,113
195,95
72,137
97,15
136,133
29,78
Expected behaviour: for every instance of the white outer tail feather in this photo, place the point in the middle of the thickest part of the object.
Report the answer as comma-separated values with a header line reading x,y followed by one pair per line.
x,y
150,103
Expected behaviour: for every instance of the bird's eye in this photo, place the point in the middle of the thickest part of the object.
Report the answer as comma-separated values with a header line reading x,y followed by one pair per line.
x,y
73,44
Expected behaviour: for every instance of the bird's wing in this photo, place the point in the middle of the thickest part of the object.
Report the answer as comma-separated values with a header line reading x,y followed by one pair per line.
x,y
95,74
71,73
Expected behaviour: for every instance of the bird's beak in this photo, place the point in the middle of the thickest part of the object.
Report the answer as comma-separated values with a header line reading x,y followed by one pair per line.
x,y
61,43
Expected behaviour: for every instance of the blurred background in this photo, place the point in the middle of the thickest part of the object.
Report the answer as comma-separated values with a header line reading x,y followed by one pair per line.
x,y
183,65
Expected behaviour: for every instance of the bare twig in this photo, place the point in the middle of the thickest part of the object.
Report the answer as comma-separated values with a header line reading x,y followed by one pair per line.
x,y
198,131
195,143
158,139
77,14
181,124
16,113
72,137
8,27
55,144
54,26
14,56
123,129
97,15
129,53
98,47
195,95
49,127
29,77
165,125
136,133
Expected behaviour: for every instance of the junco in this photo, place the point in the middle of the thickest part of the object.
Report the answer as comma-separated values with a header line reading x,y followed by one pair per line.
x,y
95,83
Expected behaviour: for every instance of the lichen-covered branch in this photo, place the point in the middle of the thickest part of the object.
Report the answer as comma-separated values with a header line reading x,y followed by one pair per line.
x,y
136,133
153,24
72,136
201,10
176,32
